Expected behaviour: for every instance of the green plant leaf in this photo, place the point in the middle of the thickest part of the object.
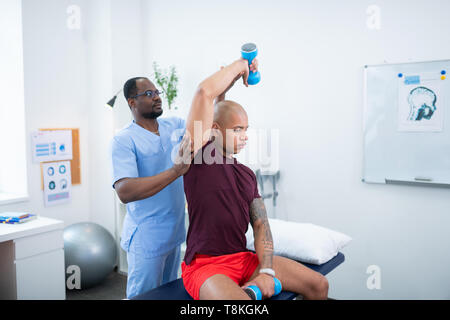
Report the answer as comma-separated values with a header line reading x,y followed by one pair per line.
x,y
167,81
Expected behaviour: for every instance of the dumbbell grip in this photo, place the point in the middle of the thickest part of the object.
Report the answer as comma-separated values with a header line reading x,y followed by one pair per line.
x,y
255,293
249,52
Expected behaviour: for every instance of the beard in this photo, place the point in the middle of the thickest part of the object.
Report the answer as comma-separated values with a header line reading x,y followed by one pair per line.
x,y
152,115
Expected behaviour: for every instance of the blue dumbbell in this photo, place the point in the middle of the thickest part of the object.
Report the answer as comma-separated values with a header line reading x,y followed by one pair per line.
x,y
249,52
254,292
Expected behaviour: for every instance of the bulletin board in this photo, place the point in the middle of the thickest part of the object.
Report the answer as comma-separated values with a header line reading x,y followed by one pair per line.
x,y
407,123
75,163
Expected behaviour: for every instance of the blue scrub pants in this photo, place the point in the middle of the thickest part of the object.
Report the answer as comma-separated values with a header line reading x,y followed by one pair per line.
x,y
145,274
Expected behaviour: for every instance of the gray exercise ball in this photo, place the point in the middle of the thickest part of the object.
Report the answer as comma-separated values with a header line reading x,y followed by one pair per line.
x,y
93,249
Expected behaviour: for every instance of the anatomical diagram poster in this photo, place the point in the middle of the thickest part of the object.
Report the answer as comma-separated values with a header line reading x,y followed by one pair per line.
x,y
421,102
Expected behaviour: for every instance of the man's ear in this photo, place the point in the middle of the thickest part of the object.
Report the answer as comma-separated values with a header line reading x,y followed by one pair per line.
x,y
215,129
130,102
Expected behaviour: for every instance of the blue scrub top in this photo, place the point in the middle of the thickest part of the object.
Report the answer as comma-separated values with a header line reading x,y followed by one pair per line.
x,y
156,223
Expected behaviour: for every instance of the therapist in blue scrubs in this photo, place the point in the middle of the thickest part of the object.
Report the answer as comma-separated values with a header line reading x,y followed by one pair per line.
x,y
151,185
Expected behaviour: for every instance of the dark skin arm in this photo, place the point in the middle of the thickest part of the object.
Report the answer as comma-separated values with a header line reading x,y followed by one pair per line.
x,y
133,189
263,246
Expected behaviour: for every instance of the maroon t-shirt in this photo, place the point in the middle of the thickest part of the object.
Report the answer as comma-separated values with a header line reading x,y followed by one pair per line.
x,y
219,195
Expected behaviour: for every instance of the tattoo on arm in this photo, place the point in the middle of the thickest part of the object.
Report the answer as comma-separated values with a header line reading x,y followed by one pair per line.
x,y
262,233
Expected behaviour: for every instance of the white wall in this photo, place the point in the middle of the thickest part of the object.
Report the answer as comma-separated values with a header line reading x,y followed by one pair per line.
x,y
116,54
311,59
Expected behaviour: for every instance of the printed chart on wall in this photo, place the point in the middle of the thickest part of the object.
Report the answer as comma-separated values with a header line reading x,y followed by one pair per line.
x,y
57,182
421,102
51,145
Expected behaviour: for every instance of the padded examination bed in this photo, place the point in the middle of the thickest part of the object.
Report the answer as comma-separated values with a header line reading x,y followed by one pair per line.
x,y
174,290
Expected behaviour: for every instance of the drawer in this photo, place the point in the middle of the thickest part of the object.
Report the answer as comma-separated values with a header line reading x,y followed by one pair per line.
x,y
41,277
38,243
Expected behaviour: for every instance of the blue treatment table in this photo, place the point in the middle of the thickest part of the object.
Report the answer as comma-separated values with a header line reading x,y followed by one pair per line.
x,y
174,290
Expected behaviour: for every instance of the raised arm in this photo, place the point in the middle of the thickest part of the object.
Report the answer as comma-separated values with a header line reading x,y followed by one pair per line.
x,y
221,97
200,117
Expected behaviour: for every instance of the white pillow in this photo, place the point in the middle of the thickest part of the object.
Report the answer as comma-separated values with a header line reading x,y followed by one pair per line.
x,y
303,242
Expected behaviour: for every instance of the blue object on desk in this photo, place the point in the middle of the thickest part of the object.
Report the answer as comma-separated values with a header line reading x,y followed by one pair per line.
x,y
174,290
15,217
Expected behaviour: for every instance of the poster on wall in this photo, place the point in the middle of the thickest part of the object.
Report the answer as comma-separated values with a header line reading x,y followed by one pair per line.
x,y
53,145
57,182
421,102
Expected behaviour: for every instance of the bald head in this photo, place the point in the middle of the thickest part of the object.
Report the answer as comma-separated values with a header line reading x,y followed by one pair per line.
x,y
230,126
226,111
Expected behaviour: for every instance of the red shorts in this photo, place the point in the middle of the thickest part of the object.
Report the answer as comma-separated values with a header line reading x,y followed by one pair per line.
x,y
237,266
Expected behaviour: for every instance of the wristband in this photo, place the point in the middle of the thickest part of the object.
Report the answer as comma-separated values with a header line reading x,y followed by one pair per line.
x,y
268,271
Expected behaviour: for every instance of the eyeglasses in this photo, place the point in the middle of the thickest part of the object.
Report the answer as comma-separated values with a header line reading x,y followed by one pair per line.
x,y
149,93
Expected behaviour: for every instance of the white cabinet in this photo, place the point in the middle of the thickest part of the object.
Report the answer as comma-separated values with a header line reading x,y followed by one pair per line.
x,y
41,276
32,264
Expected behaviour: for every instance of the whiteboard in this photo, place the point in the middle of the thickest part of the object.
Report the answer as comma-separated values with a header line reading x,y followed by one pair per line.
x,y
401,145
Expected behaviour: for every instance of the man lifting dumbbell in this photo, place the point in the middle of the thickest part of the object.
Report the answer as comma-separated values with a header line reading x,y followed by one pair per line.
x,y
223,198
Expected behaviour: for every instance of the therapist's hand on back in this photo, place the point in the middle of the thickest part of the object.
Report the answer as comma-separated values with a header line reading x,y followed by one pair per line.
x,y
184,157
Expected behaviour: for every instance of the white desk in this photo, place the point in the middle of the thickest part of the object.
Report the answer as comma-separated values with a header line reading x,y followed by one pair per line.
x,y
32,260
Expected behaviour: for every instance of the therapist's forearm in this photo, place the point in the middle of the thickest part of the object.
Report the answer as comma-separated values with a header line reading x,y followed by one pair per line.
x,y
134,189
